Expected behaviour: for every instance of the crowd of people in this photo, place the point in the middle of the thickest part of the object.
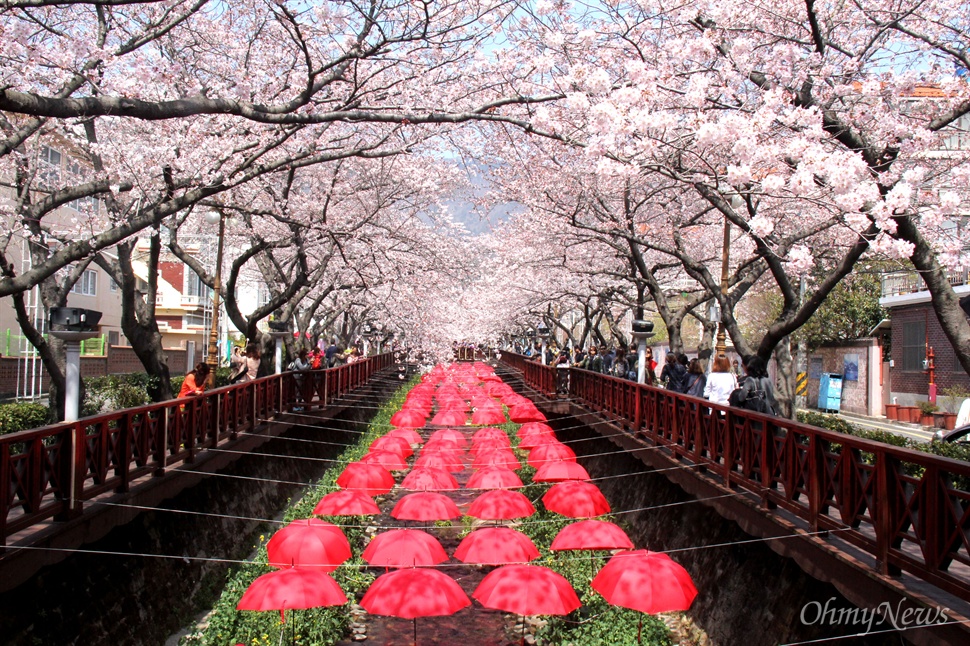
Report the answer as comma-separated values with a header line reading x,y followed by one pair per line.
x,y
245,363
745,384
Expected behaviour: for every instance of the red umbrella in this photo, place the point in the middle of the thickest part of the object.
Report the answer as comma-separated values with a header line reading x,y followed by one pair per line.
x,y
308,543
487,416
404,548
425,505
560,472
390,460
489,432
557,452
527,590
450,434
650,582
429,479
392,443
441,444
496,546
494,478
407,434
292,589
348,502
591,535
413,593
497,458
444,460
372,479
576,499
522,413
489,444
533,428
501,504
530,442
408,419
449,418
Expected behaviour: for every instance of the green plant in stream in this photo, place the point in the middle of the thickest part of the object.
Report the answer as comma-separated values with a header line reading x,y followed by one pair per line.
x,y
317,626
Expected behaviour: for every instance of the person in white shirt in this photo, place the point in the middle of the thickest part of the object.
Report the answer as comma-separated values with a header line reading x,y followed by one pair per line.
x,y
721,382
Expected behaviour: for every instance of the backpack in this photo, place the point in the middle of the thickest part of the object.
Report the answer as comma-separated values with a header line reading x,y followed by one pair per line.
x,y
755,397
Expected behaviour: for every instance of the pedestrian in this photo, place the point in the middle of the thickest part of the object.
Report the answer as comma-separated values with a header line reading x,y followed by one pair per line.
x,y
674,374
331,353
302,361
246,364
300,365
562,373
755,392
194,382
696,379
608,358
721,382
579,357
593,361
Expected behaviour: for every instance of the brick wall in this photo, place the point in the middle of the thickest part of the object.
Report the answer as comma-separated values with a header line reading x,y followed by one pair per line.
x,y
172,273
120,360
855,394
916,383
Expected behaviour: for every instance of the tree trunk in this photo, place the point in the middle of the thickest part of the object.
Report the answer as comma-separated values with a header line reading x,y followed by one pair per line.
x,y
785,379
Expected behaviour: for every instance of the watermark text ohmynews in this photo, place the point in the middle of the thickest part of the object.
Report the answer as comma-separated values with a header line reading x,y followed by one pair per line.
x,y
900,617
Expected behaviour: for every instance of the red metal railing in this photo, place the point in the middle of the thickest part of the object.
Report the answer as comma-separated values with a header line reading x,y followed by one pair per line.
x,y
50,472
908,509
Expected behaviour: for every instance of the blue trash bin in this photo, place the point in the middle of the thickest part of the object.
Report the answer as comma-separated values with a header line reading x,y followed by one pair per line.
x,y
830,392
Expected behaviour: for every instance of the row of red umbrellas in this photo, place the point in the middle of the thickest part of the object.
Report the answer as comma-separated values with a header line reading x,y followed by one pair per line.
x,y
306,550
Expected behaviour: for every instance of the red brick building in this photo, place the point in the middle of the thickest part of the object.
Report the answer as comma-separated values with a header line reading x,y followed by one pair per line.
x,y
914,329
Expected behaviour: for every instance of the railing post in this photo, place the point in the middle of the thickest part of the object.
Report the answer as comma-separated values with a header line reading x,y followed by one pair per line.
x,y
816,478
75,468
886,503
727,419
4,490
161,443
123,452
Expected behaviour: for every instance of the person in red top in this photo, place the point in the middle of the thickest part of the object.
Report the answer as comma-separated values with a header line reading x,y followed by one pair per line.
x,y
194,382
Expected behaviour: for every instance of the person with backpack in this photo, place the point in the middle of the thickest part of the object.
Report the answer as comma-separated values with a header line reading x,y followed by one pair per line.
x,y
756,392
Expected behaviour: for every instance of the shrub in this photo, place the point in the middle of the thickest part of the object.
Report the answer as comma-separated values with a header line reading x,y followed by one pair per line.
x,y
22,417
829,422
115,392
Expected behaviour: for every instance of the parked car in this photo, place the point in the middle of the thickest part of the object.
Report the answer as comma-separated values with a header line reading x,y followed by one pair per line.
x,y
960,434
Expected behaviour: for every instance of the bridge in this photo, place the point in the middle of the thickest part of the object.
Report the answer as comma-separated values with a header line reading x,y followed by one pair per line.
x,y
50,476
880,523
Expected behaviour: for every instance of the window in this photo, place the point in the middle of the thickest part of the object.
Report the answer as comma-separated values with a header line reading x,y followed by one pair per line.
x,y
914,345
263,296
194,285
194,320
113,337
49,167
87,284
112,285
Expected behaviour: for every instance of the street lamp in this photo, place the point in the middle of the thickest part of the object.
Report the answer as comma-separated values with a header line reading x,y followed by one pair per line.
x,y
212,355
642,330
736,203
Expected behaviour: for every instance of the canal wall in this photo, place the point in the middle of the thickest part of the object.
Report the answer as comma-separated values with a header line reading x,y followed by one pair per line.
x,y
104,596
